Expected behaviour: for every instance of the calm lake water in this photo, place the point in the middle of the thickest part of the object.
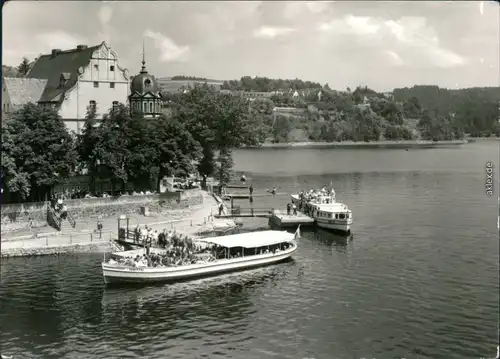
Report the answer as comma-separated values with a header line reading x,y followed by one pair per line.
x,y
418,279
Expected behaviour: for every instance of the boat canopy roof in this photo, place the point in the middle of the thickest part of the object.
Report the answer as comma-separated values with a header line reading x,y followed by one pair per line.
x,y
251,239
331,207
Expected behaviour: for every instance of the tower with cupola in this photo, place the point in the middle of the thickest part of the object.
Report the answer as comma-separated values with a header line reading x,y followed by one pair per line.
x,y
145,98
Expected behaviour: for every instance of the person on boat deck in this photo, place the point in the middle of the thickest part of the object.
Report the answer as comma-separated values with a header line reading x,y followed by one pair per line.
x,y
288,208
273,191
294,207
250,189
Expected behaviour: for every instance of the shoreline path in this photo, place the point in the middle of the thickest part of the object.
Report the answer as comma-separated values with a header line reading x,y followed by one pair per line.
x,y
188,221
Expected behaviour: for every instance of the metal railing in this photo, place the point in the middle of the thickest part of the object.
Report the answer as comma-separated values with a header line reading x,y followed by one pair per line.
x,y
247,211
76,238
71,220
53,217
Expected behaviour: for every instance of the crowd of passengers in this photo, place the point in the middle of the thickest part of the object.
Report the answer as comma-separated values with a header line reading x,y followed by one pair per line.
x,y
183,250
305,198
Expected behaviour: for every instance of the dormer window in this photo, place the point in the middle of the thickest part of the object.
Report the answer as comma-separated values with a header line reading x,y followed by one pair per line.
x,y
147,83
64,78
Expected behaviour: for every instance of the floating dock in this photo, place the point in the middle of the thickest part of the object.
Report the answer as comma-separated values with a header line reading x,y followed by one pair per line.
x,y
282,220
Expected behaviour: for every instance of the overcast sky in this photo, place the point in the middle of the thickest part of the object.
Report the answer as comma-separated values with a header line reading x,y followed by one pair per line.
x,y
379,44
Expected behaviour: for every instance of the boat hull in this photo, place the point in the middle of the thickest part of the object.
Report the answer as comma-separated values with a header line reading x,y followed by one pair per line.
x,y
339,227
121,275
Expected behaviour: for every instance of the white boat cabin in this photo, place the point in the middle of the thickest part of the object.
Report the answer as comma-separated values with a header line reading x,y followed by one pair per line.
x,y
250,244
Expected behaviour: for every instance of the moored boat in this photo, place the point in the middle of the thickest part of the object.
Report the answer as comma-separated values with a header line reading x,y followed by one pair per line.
x,y
221,255
325,210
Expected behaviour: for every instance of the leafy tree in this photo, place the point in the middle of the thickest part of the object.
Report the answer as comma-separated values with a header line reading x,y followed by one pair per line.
x,y
216,121
9,71
176,150
24,67
86,144
281,129
39,152
15,179
226,163
262,106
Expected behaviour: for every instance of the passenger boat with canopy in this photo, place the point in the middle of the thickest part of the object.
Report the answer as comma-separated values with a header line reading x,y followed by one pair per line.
x,y
323,207
215,255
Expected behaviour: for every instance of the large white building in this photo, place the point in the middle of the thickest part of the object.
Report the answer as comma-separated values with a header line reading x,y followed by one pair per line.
x,y
71,81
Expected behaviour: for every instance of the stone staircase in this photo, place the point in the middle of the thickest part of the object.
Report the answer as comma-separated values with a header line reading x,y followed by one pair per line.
x,y
65,226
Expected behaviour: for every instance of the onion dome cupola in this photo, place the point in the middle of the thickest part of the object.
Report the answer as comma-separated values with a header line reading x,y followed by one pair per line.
x,y
143,82
145,97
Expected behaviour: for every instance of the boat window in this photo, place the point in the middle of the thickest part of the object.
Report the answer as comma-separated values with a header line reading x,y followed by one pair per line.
x,y
342,216
317,214
336,216
329,215
347,215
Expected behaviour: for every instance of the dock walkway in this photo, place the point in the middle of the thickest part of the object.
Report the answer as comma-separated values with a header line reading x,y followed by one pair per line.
x,y
280,219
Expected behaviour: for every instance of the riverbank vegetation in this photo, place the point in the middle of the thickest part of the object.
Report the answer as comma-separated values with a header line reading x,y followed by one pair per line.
x,y
198,134
201,127
308,111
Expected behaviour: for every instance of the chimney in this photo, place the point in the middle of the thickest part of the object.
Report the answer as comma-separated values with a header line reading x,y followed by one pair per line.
x,y
55,52
81,47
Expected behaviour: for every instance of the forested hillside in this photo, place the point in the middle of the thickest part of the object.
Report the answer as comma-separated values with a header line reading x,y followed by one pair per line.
x,y
476,109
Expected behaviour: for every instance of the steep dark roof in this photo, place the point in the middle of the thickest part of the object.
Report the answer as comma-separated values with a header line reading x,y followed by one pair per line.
x,y
51,67
24,90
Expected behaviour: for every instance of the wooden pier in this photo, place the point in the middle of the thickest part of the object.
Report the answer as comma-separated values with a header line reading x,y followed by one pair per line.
x,y
277,218
280,219
237,186
238,212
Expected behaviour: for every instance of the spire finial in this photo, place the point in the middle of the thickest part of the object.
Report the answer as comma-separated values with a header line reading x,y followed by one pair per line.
x,y
143,70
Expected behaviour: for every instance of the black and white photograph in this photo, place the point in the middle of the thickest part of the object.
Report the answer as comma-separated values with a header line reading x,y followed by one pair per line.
x,y
250,180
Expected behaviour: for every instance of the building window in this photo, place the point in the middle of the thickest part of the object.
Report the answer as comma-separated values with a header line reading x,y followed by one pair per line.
x,y
96,66
96,84
144,107
92,105
151,107
115,105
111,85
111,68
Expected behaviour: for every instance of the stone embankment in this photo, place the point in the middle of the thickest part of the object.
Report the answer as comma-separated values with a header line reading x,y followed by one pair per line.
x,y
24,216
192,217
92,247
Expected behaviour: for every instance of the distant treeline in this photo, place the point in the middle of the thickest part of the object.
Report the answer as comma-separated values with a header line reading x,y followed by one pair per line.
x,y
188,78
264,84
475,109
